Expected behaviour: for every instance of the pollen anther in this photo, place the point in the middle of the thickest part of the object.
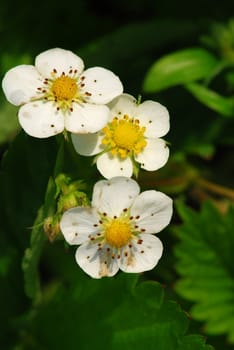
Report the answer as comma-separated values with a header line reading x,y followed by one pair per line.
x,y
117,232
124,137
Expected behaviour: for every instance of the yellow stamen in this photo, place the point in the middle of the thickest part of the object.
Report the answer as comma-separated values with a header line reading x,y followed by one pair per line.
x,y
118,233
124,137
64,88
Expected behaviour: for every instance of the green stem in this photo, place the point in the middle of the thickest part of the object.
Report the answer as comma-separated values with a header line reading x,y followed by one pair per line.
x,y
216,189
60,156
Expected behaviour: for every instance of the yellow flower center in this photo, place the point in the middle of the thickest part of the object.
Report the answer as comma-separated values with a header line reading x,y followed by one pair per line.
x,y
64,88
118,233
124,137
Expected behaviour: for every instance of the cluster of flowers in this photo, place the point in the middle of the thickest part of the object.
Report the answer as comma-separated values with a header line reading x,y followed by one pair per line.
x,y
57,94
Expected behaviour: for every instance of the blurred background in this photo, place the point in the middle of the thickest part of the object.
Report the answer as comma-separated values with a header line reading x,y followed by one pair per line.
x,y
127,37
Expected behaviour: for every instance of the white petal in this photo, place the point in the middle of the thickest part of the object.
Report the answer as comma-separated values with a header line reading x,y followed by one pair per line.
x,y
41,119
86,118
110,166
141,257
154,210
102,84
154,155
20,84
78,223
87,145
123,104
154,117
96,263
59,59
114,195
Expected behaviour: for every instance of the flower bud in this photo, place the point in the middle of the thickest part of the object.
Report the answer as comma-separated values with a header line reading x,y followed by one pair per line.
x,y
52,227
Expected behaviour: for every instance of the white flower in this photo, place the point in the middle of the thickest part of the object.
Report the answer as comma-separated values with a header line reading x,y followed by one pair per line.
x,y
132,135
116,232
57,93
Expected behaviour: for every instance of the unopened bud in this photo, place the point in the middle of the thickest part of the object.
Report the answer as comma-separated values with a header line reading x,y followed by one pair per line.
x,y
71,200
52,228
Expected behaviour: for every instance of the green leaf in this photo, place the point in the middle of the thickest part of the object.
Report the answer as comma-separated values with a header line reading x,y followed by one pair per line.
x,y
205,264
117,312
220,104
32,254
179,67
23,178
26,168
31,259
12,298
8,121
153,322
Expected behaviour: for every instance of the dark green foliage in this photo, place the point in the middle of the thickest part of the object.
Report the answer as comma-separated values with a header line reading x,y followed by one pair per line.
x,y
205,264
46,301
115,313
23,180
